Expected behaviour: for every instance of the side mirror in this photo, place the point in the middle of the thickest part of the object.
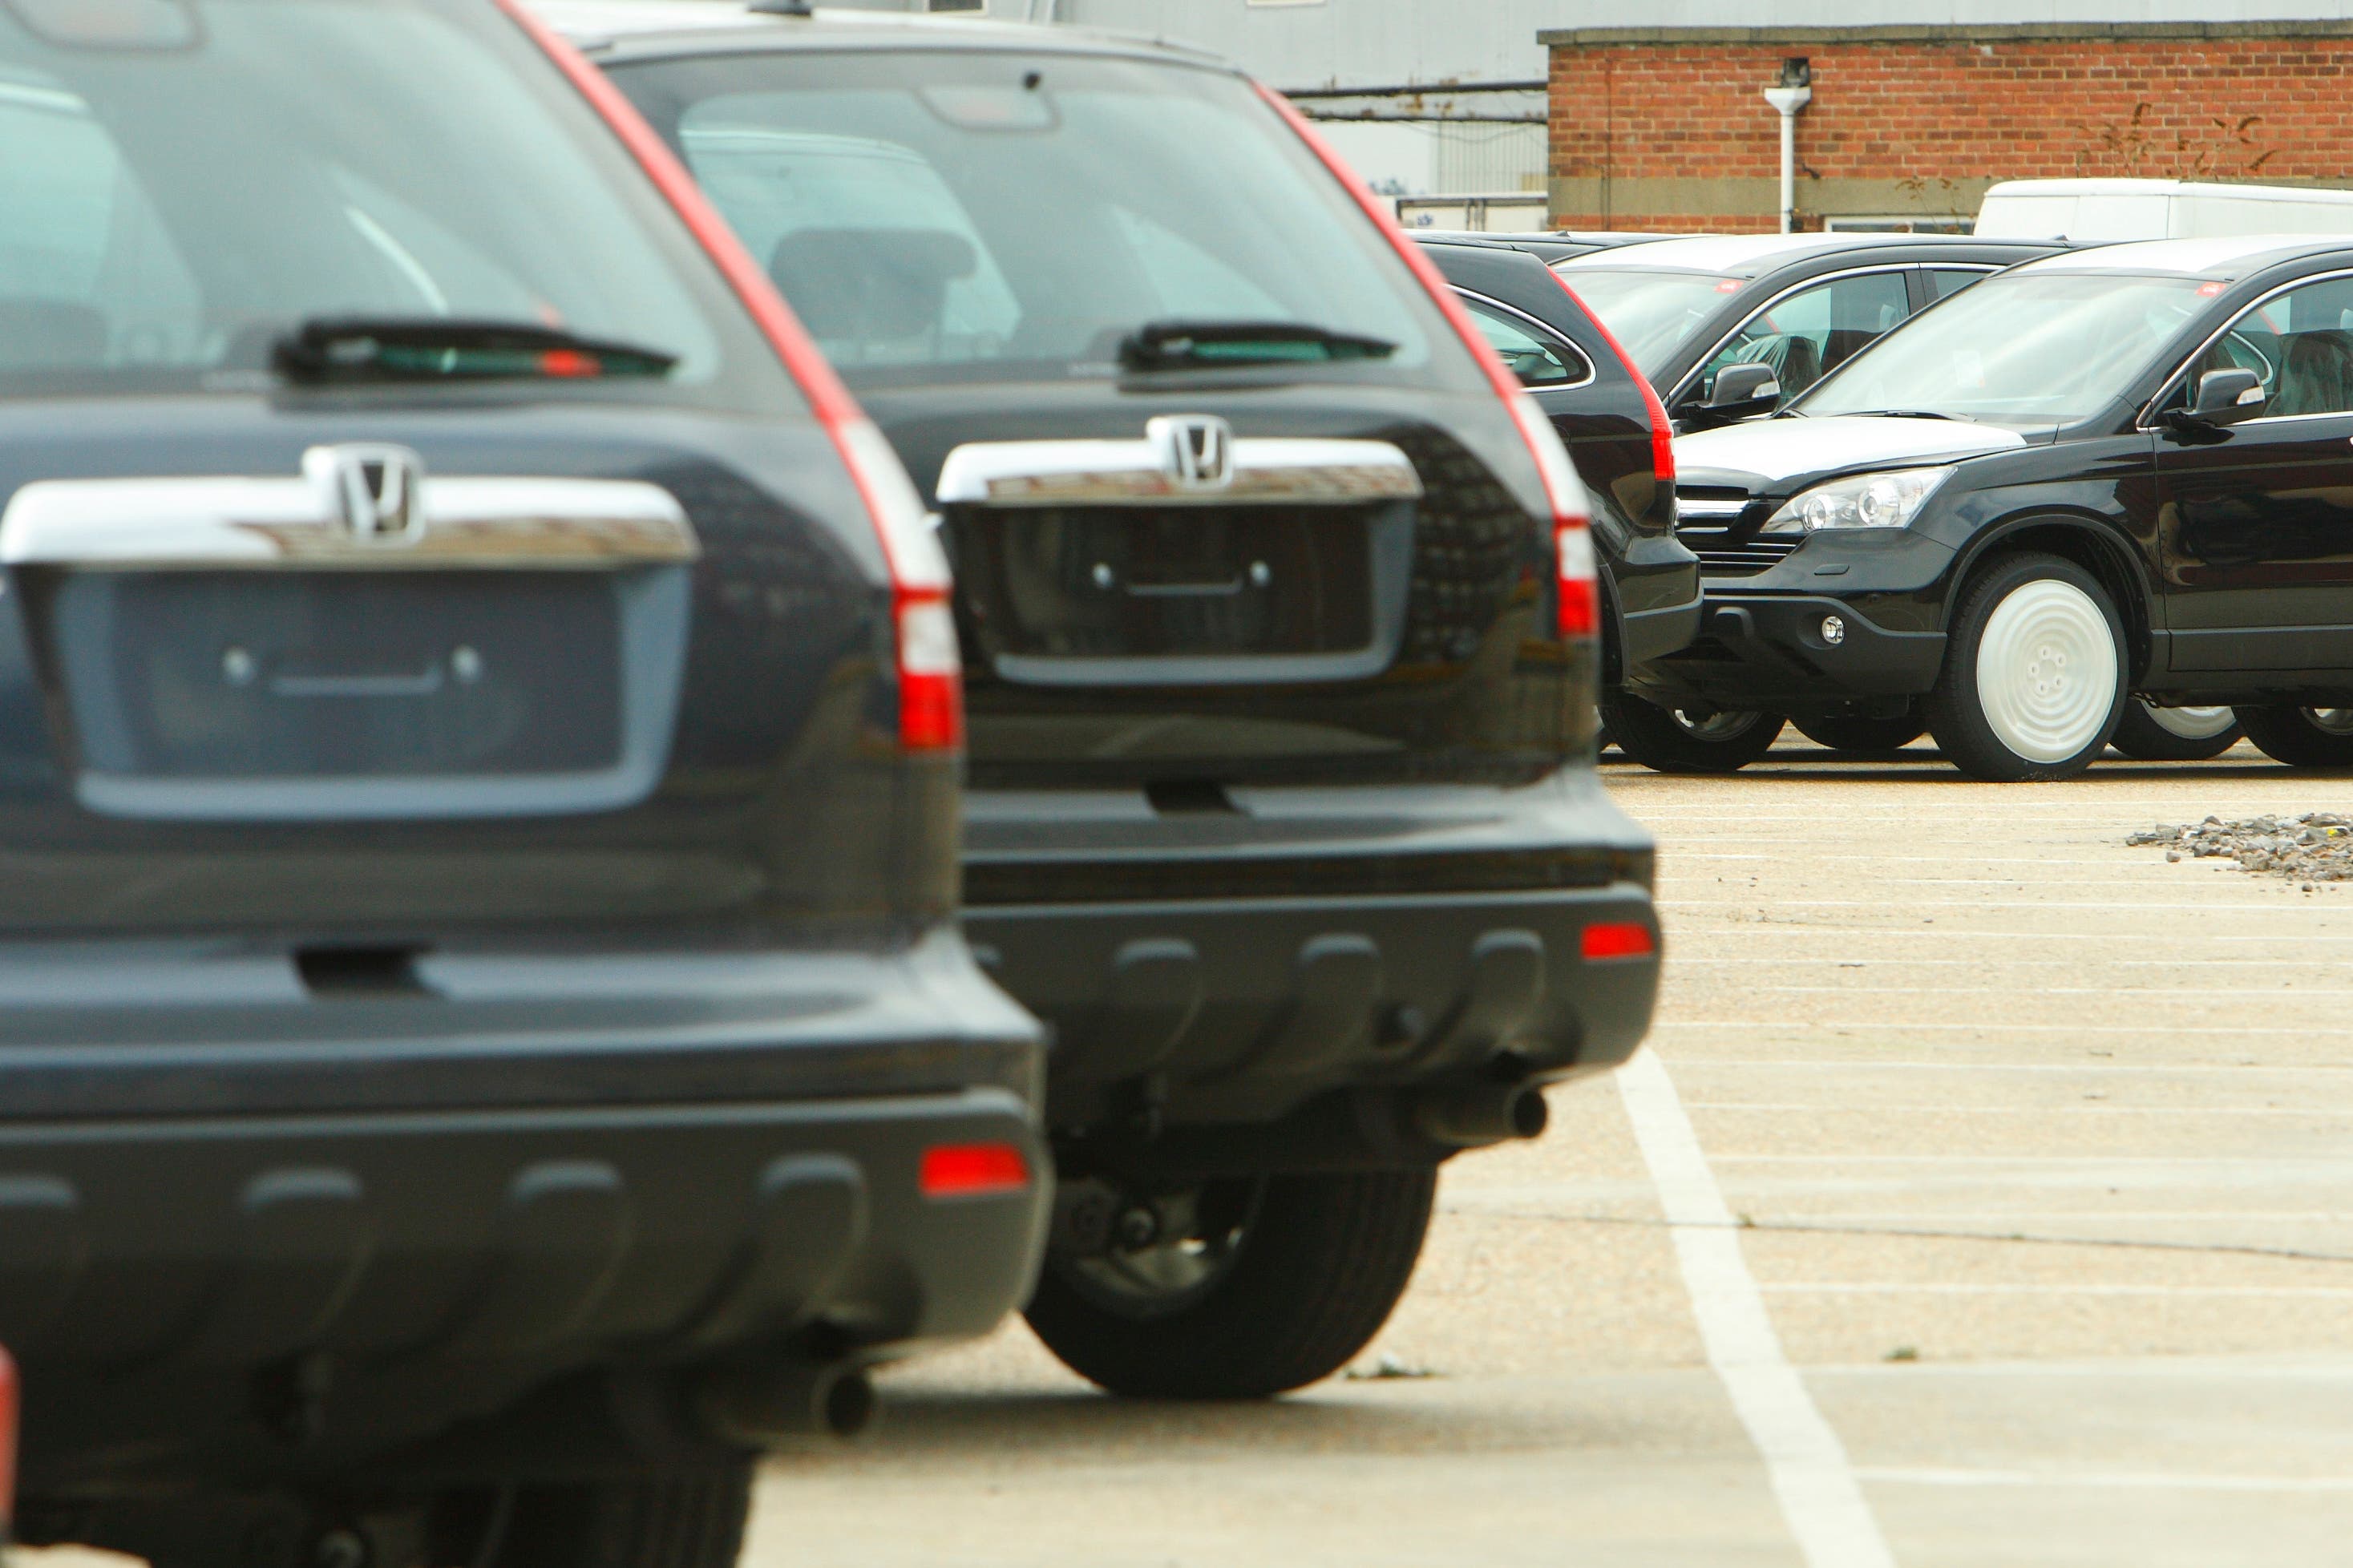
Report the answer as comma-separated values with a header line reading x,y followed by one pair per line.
x,y
2227,396
1738,385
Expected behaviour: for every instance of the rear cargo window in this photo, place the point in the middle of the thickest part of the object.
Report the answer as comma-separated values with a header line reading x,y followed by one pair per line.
x,y
985,216
170,214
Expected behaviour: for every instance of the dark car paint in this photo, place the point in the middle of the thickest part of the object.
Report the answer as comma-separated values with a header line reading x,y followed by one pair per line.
x,y
447,1111
1652,580
2246,604
1232,899
1767,280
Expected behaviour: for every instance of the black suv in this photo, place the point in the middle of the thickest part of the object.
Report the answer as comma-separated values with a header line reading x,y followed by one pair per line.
x,y
485,1040
1277,602
1790,307
1613,425
2116,474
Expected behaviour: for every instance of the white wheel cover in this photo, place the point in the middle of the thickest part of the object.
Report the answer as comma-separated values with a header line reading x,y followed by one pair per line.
x,y
2191,723
2046,670
2331,721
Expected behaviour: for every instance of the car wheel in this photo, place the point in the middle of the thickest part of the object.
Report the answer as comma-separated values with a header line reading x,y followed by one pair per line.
x,y
2034,673
1862,734
690,1519
2302,737
2154,734
1252,1287
1681,741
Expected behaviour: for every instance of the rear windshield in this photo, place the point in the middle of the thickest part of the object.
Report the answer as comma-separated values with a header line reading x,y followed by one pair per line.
x,y
178,200
2034,349
935,215
1650,313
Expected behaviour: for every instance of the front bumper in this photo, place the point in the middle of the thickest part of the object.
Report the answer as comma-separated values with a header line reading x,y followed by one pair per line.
x,y
1768,651
166,1276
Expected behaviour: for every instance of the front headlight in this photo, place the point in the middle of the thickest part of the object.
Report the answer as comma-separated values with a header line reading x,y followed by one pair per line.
x,y
1860,500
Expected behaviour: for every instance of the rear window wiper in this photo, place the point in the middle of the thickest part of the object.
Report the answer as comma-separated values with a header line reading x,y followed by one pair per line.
x,y
1183,346
352,349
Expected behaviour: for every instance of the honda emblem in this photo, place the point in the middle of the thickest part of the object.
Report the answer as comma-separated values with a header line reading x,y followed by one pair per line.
x,y
1197,450
377,492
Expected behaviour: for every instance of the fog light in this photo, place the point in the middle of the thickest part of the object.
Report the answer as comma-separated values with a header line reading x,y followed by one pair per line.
x,y
1833,630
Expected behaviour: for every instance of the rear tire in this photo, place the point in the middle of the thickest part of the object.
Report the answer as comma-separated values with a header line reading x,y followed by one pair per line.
x,y
2034,671
690,1519
1670,742
2302,737
1863,734
2153,734
1295,1280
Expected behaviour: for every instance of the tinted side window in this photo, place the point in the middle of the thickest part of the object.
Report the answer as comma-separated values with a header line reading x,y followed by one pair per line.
x,y
1536,361
1806,335
2300,342
1943,281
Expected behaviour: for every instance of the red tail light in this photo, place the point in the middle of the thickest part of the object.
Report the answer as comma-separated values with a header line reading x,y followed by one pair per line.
x,y
931,692
11,1405
1621,939
1663,430
973,1171
1579,614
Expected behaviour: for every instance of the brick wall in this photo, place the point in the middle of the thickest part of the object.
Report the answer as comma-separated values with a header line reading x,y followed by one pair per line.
x,y
1667,128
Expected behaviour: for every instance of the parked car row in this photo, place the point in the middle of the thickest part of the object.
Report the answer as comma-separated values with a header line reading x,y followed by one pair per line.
x,y
510,919
2093,496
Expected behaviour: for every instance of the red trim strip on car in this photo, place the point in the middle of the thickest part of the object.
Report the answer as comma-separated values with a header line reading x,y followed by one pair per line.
x,y
1617,939
1579,592
931,686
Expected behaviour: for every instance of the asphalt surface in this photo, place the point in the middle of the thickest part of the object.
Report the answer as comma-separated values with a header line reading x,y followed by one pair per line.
x,y
2029,1159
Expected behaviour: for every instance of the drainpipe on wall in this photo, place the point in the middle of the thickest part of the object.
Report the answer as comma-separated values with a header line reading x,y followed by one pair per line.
x,y
1795,92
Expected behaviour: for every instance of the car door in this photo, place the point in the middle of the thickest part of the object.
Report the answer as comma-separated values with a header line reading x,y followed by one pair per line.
x,y
1809,331
1942,282
2255,525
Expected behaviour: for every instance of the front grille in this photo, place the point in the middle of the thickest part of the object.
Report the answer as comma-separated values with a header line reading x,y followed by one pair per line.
x,y
1719,523
1724,552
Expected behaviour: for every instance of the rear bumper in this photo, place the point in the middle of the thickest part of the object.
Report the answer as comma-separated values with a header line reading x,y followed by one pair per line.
x,y
156,1275
1241,1010
653,1178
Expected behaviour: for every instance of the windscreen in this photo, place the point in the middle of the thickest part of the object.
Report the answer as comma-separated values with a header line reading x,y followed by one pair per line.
x,y
177,206
991,216
2025,348
1650,313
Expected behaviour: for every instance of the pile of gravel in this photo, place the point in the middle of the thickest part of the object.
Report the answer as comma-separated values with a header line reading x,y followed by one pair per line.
x,y
2315,847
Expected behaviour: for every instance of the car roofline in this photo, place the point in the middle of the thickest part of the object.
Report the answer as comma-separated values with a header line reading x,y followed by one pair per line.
x,y
829,29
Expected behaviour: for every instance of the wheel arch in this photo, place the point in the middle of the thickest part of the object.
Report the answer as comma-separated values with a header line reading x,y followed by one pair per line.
x,y
2093,545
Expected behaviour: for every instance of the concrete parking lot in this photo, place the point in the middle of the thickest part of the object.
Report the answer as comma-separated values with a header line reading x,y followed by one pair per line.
x,y
2033,1152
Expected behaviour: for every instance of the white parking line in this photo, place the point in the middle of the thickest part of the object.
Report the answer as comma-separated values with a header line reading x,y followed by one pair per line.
x,y
1819,1108
1878,1064
1827,1512
2109,1480
2137,1031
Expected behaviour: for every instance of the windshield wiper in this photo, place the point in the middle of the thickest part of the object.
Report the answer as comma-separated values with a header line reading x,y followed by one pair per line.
x,y
347,348
1182,345
1917,413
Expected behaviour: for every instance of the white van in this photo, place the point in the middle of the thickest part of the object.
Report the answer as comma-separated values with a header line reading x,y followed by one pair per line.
x,y
2099,210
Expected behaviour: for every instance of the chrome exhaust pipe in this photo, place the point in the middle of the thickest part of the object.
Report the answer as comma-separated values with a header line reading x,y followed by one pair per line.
x,y
1469,1115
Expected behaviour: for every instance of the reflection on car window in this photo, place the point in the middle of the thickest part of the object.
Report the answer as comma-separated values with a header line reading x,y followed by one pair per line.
x,y
2025,347
1650,313
1806,335
1011,217
295,162
1529,357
